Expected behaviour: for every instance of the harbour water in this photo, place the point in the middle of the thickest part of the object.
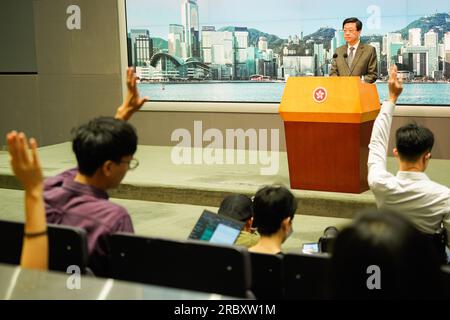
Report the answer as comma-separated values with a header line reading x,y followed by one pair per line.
x,y
413,93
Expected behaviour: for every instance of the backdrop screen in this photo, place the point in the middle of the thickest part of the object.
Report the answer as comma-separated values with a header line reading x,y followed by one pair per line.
x,y
243,51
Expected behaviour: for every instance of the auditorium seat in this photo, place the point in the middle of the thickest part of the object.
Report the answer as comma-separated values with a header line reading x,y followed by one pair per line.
x,y
267,276
67,245
446,278
193,265
306,276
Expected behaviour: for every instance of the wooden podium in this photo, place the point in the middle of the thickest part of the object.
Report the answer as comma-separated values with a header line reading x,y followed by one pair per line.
x,y
328,122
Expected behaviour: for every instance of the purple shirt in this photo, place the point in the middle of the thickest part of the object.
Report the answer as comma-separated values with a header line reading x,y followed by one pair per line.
x,y
78,205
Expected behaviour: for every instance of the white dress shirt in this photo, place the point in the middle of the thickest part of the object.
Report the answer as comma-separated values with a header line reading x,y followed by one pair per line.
x,y
413,194
354,46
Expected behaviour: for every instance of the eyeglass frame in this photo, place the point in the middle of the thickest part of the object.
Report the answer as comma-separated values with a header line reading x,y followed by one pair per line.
x,y
350,31
132,164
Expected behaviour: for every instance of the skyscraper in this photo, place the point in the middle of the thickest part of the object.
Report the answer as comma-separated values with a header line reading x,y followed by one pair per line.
x,y
431,39
175,39
337,41
414,37
447,41
319,59
393,44
241,45
190,21
141,46
262,43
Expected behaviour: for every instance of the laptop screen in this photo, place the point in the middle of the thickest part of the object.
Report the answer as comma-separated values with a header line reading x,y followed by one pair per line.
x,y
216,228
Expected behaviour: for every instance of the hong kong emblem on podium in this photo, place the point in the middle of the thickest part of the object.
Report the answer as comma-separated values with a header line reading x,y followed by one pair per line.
x,y
320,94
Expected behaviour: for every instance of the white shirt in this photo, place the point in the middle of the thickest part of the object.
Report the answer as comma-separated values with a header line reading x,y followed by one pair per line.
x,y
354,46
413,194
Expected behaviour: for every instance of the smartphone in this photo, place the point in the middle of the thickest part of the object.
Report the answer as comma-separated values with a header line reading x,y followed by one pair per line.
x,y
310,248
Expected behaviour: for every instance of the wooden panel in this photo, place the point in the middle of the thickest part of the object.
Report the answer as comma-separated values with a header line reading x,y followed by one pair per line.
x,y
328,156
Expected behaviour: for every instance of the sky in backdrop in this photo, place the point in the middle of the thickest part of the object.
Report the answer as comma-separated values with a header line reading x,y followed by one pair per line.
x,y
283,17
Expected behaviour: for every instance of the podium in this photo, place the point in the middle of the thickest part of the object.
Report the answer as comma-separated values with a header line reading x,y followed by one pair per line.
x,y
328,122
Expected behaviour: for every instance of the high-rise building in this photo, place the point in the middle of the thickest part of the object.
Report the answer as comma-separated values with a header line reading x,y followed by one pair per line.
x,y
218,52
319,55
252,54
384,45
431,39
298,66
141,47
190,21
421,60
393,44
415,37
241,45
217,47
241,37
175,39
337,41
262,44
447,41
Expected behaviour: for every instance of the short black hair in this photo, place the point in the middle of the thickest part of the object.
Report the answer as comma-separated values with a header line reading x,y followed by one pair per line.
x,y
412,141
237,206
408,261
102,139
271,205
351,20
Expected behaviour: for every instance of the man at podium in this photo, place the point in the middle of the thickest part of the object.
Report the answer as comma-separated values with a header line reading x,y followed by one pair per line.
x,y
354,58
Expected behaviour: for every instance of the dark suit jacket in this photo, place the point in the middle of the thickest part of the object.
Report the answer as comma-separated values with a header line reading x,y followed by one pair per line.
x,y
364,63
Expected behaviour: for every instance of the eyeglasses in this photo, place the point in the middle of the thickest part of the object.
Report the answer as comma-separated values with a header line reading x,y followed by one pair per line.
x,y
132,164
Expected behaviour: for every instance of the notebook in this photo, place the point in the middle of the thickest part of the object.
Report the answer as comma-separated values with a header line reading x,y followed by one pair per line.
x,y
216,228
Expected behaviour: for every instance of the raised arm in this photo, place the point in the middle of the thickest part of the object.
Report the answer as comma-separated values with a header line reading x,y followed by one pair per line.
x,y
25,165
381,130
132,101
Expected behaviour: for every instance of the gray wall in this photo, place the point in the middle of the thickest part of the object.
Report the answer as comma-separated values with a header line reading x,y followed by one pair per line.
x,y
18,52
155,128
79,77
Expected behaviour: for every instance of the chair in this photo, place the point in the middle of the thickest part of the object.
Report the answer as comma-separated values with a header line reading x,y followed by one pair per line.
x,y
446,279
267,276
306,276
193,265
67,245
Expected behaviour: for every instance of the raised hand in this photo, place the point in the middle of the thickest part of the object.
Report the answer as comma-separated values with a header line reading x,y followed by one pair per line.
x,y
24,160
395,85
132,101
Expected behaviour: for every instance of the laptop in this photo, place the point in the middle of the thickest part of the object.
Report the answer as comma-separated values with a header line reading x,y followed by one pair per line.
x,y
216,228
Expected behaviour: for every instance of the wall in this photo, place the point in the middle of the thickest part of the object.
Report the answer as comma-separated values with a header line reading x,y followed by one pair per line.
x,y
78,72
18,53
155,128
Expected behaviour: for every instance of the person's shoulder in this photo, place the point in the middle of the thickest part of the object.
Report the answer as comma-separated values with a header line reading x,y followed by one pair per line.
x,y
113,215
247,239
57,181
342,48
382,182
367,46
113,207
439,188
